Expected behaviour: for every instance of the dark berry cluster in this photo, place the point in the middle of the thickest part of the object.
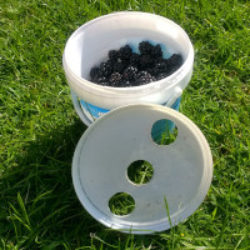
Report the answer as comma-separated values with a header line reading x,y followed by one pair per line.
x,y
125,68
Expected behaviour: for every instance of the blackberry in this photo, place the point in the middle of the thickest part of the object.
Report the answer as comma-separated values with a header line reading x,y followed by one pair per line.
x,y
146,61
161,76
175,61
144,77
141,73
114,55
159,67
115,79
125,63
110,62
106,68
101,79
125,84
145,47
156,51
94,73
118,67
125,52
104,83
135,60
150,71
129,73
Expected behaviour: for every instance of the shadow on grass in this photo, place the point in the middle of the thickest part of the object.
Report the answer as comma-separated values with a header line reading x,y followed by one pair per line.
x,y
37,199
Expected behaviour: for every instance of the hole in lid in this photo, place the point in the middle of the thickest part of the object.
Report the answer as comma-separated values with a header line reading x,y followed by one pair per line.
x,y
140,172
164,132
121,203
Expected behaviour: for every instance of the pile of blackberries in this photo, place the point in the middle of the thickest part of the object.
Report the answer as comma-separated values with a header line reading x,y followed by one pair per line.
x,y
125,68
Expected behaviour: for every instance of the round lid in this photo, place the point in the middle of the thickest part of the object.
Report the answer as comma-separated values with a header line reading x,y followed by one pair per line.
x,y
182,170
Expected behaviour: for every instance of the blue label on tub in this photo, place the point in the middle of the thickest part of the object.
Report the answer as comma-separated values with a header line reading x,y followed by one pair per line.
x,y
176,105
95,112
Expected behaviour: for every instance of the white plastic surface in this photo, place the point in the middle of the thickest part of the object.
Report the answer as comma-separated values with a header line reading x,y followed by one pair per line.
x,y
182,170
90,44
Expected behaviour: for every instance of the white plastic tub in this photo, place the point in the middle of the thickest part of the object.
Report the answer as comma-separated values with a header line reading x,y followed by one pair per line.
x,y
89,45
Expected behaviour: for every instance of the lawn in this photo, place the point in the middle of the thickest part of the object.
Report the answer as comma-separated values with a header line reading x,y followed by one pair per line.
x,y
39,128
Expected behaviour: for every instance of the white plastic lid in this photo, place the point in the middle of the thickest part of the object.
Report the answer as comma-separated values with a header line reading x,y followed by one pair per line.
x,y
182,169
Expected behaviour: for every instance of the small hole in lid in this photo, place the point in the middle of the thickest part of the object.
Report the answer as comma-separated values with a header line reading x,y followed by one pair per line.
x,y
164,132
121,204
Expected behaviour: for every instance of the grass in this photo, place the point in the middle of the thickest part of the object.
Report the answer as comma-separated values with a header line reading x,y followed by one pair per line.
x,y
140,172
121,204
39,128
